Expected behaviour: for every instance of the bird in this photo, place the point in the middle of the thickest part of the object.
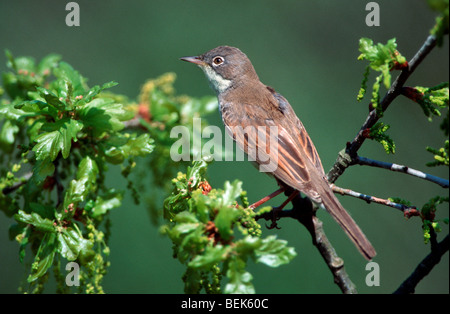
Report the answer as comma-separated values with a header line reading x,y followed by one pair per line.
x,y
248,106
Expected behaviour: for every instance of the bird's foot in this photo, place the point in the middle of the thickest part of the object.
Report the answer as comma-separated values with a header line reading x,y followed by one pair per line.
x,y
274,218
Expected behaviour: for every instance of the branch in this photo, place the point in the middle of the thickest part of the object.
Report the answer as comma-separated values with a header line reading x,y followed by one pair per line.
x,y
352,148
400,168
304,212
23,180
408,211
424,268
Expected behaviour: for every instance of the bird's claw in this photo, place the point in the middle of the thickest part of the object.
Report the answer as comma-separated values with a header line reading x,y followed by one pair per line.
x,y
274,219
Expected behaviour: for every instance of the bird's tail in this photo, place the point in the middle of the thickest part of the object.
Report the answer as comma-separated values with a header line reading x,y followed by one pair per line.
x,y
334,207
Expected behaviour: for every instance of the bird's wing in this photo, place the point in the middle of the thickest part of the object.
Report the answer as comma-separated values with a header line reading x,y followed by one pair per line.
x,y
296,128
267,139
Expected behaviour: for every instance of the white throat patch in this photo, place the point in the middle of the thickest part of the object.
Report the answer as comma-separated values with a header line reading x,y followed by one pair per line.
x,y
217,82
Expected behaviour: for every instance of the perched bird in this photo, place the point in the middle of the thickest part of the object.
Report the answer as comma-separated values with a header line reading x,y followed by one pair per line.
x,y
264,125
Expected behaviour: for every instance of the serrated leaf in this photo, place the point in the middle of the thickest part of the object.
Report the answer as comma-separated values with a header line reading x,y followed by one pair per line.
x,y
49,144
44,257
211,256
104,114
231,192
133,147
51,98
71,244
42,169
42,224
240,280
224,221
196,172
84,183
274,252
185,217
87,168
67,73
140,146
37,107
105,203
94,91
10,112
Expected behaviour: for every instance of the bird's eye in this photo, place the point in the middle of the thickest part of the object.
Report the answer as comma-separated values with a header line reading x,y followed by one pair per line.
x,y
218,60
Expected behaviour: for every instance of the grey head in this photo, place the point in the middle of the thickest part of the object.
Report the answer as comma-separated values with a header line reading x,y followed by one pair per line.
x,y
225,67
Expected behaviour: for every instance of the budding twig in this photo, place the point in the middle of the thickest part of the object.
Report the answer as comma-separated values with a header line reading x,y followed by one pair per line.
x,y
407,210
394,91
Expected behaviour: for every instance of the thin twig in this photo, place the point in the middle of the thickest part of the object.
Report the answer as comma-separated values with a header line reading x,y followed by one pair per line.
x,y
408,211
343,160
22,180
400,168
424,267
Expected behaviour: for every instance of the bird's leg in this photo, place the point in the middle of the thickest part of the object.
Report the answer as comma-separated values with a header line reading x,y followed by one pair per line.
x,y
278,209
265,199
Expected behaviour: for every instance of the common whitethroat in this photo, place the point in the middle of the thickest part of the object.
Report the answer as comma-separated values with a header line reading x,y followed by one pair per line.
x,y
250,110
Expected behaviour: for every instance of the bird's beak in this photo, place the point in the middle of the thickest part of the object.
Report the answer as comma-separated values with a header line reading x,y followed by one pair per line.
x,y
196,59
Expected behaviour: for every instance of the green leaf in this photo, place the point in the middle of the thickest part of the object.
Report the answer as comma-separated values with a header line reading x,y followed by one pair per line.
x,y
211,256
84,183
192,281
71,244
232,191
9,111
105,203
197,171
430,99
44,257
37,107
382,57
87,168
8,135
51,98
186,222
94,91
274,252
441,155
140,146
224,221
67,73
42,169
378,133
42,224
133,147
103,114
240,280
49,144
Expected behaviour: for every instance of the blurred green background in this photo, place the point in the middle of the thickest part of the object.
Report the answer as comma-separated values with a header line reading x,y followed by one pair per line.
x,y
307,51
